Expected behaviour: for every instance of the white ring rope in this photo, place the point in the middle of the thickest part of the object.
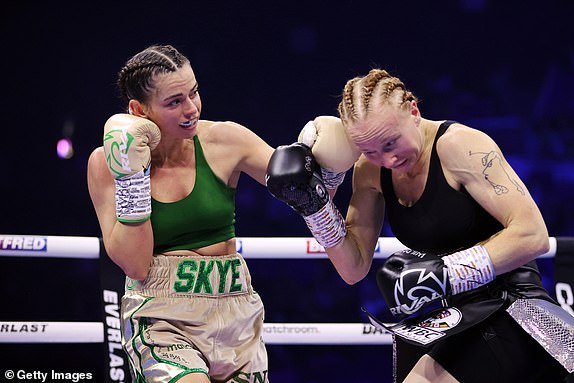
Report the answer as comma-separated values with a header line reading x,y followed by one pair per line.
x,y
51,332
249,247
273,333
49,246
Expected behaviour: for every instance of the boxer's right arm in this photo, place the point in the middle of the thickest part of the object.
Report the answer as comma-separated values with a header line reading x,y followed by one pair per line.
x,y
412,280
353,257
128,142
128,244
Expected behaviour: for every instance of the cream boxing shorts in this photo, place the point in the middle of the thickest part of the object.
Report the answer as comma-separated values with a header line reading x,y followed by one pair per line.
x,y
194,314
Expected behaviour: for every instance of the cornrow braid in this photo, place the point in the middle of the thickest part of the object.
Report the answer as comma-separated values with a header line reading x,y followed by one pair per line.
x,y
136,78
369,83
347,106
363,94
394,85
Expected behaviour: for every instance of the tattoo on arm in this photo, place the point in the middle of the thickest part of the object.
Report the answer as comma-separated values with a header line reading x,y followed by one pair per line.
x,y
494,160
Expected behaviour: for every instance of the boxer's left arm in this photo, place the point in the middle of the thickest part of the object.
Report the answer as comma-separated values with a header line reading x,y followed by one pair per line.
x,y
306,175
241,148
351,251
293,176
472,161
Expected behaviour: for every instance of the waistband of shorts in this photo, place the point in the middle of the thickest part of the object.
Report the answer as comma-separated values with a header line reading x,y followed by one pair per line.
x,y
205,276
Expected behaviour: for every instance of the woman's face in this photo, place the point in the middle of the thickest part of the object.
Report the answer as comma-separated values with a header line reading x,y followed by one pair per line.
x,y
389,138
175,105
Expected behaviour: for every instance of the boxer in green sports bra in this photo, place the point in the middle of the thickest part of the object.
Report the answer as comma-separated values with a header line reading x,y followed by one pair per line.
x,y
163,186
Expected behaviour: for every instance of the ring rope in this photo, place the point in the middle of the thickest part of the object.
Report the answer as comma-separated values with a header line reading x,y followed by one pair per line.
x,y
248,247
273,333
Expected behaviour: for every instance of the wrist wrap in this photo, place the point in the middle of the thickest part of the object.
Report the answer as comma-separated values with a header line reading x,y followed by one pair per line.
x,y
331,179
469,269
133,197
327,225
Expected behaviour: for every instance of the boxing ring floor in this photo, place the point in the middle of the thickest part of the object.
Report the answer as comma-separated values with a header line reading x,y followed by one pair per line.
x,y
57,315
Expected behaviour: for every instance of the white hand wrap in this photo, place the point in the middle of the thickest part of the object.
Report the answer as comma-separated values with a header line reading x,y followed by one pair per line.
x,y
327,225
469,269
128,142
332,180
133,197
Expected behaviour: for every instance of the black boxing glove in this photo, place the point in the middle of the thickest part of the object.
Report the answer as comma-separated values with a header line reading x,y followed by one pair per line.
x,y
410,281
294,177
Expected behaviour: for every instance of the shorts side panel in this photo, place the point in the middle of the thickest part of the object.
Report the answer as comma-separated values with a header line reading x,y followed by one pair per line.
x,y
155,349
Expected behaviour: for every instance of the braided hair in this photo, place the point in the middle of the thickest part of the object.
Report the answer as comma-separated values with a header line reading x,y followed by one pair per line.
x,y
136,78
363,95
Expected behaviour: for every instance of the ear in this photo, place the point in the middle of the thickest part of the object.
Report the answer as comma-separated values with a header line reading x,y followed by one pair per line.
x,y
415,108
136,108
415,112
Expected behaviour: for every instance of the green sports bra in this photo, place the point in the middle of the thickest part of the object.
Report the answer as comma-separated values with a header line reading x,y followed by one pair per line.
x,y
206,216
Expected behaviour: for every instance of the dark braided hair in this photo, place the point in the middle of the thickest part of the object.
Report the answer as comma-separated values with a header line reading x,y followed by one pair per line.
x,y
136,78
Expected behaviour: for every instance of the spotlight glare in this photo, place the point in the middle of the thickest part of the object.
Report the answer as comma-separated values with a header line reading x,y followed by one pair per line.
x,y
65,149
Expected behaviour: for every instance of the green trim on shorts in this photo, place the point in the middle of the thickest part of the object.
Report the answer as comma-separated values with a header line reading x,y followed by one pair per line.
x,y
139,377
186,370
143,324
138,373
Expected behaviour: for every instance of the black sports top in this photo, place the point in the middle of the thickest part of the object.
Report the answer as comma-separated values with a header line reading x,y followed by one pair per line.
x,y
443,220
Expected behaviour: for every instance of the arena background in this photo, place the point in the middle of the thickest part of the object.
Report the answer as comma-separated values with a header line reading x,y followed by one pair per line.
x,y
505,67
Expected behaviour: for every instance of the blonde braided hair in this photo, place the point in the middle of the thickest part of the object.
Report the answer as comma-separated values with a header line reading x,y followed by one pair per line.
x,y
362,95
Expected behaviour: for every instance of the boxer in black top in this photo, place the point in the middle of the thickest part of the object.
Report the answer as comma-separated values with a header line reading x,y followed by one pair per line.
x,y
474,231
